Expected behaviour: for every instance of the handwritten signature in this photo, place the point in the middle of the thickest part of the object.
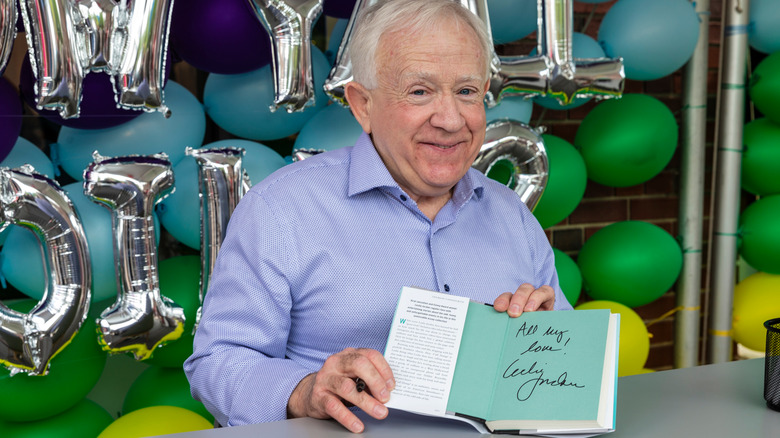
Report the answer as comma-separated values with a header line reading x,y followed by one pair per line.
x,y
527,388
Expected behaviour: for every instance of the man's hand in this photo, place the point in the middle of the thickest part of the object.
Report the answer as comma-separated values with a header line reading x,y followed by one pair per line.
x,y
525,299
325,394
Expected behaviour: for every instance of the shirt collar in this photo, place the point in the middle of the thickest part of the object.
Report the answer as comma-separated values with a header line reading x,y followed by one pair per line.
x,y
367,171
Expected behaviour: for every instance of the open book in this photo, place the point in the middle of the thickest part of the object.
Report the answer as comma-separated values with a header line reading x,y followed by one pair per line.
x,y
543,373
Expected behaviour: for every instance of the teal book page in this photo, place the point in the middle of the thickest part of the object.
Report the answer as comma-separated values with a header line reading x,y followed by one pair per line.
x,y
480,350
551,366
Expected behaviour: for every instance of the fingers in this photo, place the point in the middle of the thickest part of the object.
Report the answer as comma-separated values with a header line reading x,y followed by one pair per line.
x,y
525,299
330,390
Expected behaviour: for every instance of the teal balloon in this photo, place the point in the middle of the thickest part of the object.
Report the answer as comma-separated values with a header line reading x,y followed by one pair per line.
x,y
179,281
241,103
582,47
763,31
22,259
764,86
566,182
331,128
25,152
632,263
73,373
180,211
511,107
654,37
569,276
147,134
511,20
627,141
761,157
157,386
85,419
760,234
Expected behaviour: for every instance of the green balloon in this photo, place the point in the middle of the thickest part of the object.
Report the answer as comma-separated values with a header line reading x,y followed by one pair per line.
x,y
764,87
85,419
569,276
565,184
158,386
179,281
760,234
627,141
761,157
72,374
632,263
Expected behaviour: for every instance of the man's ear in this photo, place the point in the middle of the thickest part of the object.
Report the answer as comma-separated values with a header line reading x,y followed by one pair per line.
x,y
359,100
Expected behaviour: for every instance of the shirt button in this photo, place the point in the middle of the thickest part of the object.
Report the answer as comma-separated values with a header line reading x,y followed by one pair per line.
x,y
446,288
403,198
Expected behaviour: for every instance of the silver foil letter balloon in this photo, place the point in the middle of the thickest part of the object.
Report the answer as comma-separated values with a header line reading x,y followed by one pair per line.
x,y
289,24
222,182
7,31
554,71
514,153
68,38
141,319
28,342
141,33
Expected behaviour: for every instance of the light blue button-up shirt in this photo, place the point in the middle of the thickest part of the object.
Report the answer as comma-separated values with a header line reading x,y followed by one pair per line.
x,y
313,262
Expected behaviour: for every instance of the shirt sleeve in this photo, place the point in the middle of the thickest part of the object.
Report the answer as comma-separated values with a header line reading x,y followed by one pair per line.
x,y
238,368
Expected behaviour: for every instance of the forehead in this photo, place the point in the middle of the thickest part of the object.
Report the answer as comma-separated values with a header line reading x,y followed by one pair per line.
x,y
447,43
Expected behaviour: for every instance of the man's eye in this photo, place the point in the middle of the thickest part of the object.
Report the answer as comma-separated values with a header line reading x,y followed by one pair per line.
x,y
466,92
419,92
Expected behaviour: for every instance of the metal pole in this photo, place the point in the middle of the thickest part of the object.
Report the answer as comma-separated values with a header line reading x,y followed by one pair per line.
x,y
687,320
728,143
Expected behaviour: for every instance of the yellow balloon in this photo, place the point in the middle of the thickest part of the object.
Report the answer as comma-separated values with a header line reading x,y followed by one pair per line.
x,y
155,420
634,345
756,299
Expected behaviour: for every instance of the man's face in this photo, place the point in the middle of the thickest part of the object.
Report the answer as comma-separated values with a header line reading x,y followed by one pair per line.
x,y
426,116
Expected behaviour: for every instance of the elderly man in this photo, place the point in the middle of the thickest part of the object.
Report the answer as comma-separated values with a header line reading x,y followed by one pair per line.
x,y
307,279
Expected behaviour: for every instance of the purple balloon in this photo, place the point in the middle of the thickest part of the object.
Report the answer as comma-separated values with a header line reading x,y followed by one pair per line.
x,y
338,8
10,117
221,36
97,109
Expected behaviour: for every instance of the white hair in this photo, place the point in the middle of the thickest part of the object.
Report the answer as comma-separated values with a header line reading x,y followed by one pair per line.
x,y
409,16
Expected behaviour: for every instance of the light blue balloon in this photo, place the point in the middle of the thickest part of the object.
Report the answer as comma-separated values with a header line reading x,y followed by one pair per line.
x,y
511,107
582,47
654,37
241,103
25,152
331,128
511,20
147,134
764,33
334,42
22,255
180,212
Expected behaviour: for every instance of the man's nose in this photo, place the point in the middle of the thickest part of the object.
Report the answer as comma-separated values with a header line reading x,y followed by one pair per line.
x,y
447,114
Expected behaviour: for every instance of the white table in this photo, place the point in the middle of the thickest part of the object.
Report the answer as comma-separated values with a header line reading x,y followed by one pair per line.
x,y
712,401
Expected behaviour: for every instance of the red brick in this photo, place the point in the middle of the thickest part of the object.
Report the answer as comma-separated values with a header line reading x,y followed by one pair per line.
x,y
663,183
596,190
590,211
661,357
567,240
635,190
654,208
